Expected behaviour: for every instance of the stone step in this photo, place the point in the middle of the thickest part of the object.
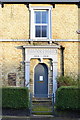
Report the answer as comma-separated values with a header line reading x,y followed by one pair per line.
x,y
49,108
42,108
34,98
42,103
42,111
41,99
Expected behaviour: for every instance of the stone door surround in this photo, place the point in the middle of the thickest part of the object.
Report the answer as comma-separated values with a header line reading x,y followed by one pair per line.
x,y
41,52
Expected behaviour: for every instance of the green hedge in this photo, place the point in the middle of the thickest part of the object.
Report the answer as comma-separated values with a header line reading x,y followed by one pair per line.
x,y
13,97
68,98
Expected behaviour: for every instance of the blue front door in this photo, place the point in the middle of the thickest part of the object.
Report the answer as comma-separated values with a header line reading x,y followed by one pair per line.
x,y
41,81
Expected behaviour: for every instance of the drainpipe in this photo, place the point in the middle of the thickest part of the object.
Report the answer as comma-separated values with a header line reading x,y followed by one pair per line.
x,y
62,60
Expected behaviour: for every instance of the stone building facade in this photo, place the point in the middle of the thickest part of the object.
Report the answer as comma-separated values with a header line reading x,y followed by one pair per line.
x,y
21,52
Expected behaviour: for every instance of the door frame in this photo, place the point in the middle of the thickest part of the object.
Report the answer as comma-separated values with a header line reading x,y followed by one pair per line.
x,y
33,78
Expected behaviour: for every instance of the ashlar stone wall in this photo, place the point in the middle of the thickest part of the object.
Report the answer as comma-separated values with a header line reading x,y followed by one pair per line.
x,y
15,24
15,21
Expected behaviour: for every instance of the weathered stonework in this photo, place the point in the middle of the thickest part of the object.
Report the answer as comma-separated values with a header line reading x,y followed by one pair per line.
x,y
65,21
15,24
79,42
13,60
70,57
12,79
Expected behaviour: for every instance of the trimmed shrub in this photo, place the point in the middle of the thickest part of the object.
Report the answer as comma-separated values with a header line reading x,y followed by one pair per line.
x,y
13,97
68,97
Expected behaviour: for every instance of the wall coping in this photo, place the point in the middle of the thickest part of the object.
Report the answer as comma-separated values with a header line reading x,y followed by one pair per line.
x,y
42,1
44,40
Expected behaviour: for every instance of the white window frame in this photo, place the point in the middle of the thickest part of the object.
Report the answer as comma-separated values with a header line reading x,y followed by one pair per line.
x,y
32,25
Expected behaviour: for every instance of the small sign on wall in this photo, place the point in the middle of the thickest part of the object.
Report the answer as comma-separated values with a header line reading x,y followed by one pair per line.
x,y
40,78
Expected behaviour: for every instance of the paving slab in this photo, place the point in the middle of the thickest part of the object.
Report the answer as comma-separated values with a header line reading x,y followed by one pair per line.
x,y
11,114
37,117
